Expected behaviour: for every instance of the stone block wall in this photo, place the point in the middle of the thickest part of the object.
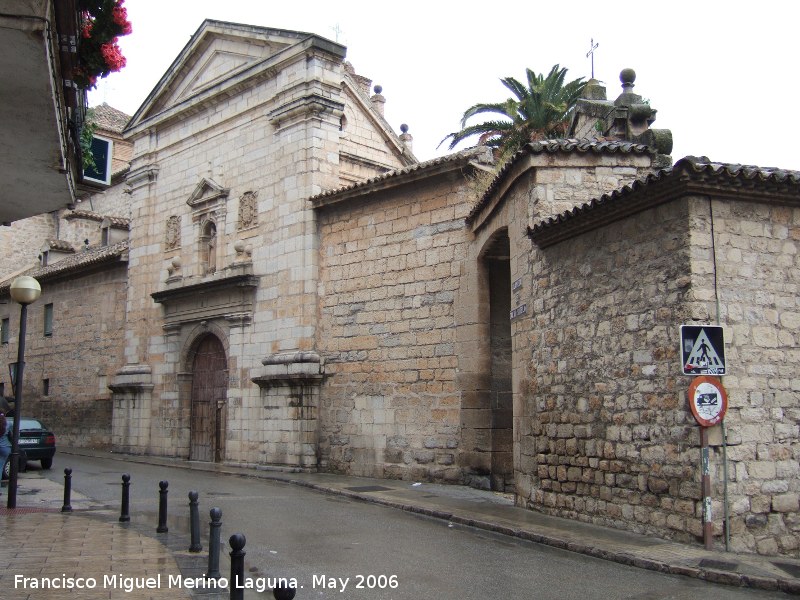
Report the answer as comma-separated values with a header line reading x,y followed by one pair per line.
x,y
753,250
563,183
78,359
604,433
21,241
389,271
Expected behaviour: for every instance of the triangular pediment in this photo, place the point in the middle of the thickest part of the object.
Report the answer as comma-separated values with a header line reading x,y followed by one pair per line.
x,y
216,53
206,192
217,65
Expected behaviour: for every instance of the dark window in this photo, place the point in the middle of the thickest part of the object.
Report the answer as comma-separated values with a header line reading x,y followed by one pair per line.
x,y
48,319
45,387
101,153
4,332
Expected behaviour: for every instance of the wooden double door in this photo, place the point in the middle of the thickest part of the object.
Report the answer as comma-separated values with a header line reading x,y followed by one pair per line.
x,y
209,396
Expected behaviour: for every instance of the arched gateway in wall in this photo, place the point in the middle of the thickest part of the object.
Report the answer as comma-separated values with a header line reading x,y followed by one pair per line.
x,y
496,272
209,400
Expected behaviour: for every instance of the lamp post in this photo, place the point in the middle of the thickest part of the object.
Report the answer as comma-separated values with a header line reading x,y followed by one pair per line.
x,y
24,290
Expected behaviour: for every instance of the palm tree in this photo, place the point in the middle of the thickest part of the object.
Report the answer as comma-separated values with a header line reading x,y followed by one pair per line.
x,y
540,110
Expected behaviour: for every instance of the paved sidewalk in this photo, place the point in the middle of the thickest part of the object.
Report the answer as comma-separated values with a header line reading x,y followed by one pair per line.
x,y
88,554
457,504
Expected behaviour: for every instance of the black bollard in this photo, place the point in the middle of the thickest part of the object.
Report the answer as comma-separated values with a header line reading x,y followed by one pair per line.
x,y
283,593
126,497
162,507
67,507
236,583
194,522
213,544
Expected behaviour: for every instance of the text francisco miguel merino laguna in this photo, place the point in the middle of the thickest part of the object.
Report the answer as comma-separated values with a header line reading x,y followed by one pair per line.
x,y
128,584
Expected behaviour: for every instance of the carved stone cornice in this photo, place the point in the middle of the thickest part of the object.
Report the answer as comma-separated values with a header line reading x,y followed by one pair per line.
x,y
310,104
301,368
142,176
227,294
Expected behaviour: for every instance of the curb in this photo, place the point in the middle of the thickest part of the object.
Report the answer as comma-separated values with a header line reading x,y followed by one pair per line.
x,y
731,578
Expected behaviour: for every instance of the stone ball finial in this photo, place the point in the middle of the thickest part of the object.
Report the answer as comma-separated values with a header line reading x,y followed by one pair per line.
x,y
378,89
404,128
627,76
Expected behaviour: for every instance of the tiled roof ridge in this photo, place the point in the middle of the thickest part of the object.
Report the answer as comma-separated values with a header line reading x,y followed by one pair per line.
x,y
62,245
702,164
475,152
109,118
116,222
690,168
596,145
553,146
74,262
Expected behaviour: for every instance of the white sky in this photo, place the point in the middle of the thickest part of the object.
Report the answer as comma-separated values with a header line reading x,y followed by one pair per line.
x,y
722,75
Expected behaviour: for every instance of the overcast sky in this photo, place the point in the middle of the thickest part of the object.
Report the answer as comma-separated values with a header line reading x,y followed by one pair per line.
x,y
722,75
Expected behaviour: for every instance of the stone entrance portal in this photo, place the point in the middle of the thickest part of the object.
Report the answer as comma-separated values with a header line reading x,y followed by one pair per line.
x,y
209,393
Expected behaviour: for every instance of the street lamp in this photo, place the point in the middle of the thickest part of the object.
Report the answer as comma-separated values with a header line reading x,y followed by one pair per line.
x,y
24,290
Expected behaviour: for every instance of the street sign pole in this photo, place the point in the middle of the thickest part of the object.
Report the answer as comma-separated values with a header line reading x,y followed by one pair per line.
x,y
709,403
708,523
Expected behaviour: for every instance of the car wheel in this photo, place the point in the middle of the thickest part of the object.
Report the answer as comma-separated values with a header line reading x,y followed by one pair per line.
x,y
47,463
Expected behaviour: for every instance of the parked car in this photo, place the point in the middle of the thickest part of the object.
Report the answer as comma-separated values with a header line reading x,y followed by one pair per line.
x,y
36,442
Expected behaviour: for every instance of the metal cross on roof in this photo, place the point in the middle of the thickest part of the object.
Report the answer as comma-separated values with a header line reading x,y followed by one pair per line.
x,y
591,53
337,31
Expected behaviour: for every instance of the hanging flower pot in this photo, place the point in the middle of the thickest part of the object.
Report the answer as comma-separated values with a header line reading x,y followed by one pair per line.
x,y
103,22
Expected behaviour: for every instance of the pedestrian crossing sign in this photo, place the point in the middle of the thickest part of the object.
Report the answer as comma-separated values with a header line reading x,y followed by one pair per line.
x,y
702,350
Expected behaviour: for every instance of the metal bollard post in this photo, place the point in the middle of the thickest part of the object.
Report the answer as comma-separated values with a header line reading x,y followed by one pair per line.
x,y
194,522
67,507
236,583
283,593
126,493
213,544
162,507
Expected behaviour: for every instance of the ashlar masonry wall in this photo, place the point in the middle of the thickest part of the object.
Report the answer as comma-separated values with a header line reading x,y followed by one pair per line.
x,y
390,266
243,164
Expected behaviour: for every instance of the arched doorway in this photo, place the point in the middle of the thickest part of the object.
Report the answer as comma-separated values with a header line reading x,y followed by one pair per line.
x,y
209,394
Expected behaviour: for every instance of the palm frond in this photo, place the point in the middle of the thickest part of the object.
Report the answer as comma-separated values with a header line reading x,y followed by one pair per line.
x,y
539,110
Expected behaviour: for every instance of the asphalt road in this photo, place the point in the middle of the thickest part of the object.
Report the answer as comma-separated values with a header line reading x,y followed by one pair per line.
x,y
336,547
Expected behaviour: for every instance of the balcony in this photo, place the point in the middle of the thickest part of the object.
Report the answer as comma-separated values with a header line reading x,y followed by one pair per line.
x,y
40,161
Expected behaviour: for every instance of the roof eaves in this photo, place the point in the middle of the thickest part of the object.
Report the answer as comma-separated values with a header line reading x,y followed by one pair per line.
x,y
402,176
689,175
74,263
564,146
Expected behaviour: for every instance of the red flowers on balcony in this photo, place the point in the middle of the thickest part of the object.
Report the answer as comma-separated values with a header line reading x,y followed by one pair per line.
x,y
98,53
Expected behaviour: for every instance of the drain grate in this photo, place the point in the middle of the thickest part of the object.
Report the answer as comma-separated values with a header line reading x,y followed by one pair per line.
x,y
369,488
28,509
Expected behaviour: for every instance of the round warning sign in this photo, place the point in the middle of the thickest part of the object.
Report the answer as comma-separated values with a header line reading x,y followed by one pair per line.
x,y
708,400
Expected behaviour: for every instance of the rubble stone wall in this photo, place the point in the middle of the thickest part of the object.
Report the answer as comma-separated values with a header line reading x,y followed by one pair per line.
x,y
753,249
605,434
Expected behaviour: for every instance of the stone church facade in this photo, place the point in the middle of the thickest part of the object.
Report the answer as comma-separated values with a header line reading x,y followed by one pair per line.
x,y
276,280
